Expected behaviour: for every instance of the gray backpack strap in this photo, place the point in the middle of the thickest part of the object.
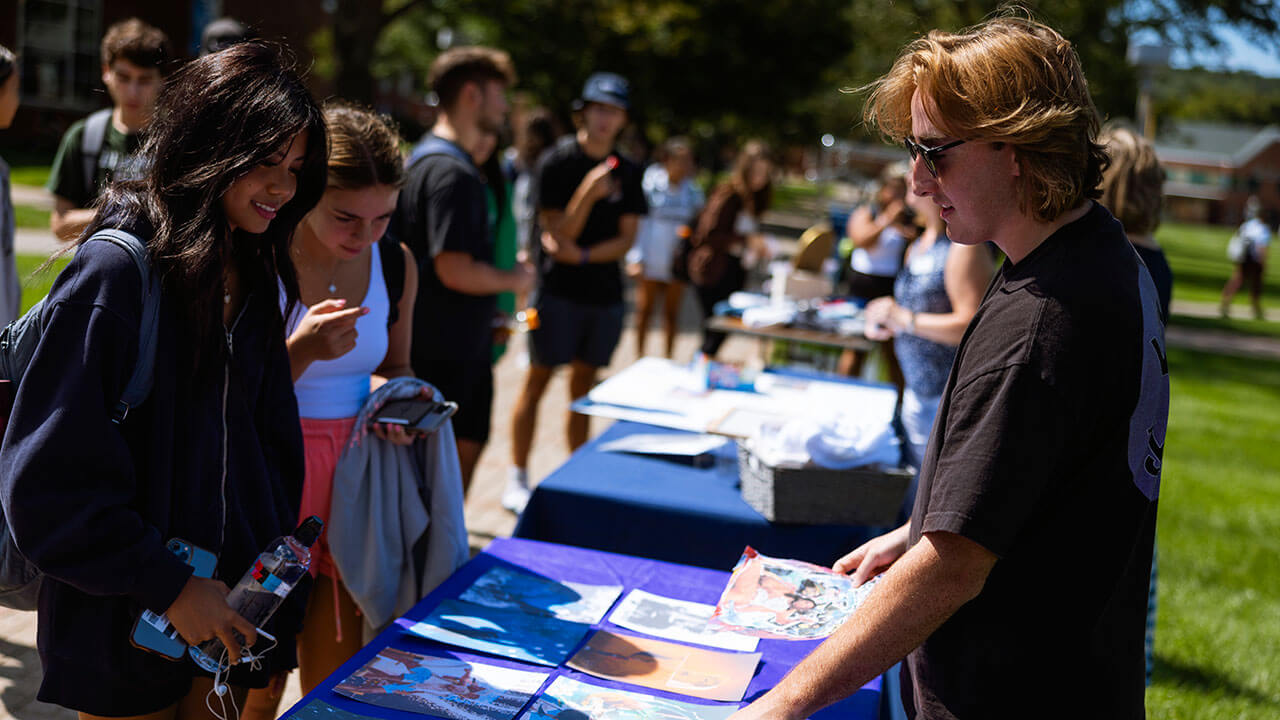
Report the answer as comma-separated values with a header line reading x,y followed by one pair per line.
x,y
91,142
139,385
434,145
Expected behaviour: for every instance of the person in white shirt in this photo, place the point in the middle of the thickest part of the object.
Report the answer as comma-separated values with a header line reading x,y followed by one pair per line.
x,y
674,199
1251,264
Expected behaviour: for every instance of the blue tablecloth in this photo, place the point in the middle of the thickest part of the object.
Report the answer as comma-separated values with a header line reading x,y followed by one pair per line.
x,y
588,566
663,510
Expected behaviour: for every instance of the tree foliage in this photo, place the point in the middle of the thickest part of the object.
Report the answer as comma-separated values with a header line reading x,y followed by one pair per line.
x,y
727,66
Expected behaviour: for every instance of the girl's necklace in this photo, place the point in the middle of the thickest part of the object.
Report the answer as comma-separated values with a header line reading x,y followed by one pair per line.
x,y
333,274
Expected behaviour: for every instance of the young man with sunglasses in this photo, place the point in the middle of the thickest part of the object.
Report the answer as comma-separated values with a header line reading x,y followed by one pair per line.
x,y
1019,587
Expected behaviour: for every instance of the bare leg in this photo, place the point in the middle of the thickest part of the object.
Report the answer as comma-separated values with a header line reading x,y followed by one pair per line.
x,y
1232,287
320,652
1257,271
468,455
671,314
168,713
193,707
581,379
526,413
264,703
646,292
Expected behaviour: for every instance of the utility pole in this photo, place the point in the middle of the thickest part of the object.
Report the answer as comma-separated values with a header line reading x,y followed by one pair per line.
x,y
1148,59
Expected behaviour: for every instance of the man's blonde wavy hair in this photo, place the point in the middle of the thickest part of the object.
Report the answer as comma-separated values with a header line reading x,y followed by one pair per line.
x,y
1008,80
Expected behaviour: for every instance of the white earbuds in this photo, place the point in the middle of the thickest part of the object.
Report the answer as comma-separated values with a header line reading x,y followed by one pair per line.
x,y
220,689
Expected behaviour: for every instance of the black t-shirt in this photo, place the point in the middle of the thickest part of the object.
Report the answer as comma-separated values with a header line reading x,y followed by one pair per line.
x,y
1047,451
118,159
560,171
442,207
1161,274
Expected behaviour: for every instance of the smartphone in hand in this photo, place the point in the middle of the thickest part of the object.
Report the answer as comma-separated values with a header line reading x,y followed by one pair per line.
x,y
153,632
417,415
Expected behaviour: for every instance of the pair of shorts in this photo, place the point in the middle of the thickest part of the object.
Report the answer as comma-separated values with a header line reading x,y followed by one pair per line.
x,y
869,287
323,441
569,331
471,386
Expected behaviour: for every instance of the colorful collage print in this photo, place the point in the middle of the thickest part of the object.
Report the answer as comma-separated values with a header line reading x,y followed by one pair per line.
x,y
786,599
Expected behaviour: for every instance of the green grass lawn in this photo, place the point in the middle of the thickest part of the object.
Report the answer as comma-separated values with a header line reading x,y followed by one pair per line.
x,y
35,285
27,166
1198,256
1218,633
31,217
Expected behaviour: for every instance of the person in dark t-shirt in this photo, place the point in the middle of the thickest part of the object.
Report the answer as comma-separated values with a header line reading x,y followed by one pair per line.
x,y
1133,190
1019,587
589,201
442,215
103,147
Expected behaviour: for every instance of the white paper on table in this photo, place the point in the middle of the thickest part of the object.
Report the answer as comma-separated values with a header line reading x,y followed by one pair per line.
x,y
679,620
665,444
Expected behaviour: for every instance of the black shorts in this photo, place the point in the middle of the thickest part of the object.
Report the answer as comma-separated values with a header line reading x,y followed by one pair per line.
x,y
570,331
471,386
869,287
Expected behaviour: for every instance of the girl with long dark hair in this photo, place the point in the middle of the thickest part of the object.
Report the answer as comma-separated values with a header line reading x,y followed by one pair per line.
x,y
213,456
727,226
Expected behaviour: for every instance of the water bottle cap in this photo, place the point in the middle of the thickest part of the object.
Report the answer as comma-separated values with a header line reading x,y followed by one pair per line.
x,y
309,530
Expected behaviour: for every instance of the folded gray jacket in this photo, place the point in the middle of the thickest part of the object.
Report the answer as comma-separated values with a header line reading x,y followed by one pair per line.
x,y
396,527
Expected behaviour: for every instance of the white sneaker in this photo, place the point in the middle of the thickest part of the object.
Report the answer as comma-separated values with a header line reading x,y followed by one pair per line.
x,y
516,496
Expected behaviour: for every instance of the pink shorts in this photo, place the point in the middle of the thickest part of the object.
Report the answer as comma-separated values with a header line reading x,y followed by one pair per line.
x,y
323,441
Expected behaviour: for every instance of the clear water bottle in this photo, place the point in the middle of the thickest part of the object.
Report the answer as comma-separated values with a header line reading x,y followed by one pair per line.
x,y
265,586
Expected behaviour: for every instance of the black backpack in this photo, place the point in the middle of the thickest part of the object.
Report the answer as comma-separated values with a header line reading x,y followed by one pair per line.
x,y
19,579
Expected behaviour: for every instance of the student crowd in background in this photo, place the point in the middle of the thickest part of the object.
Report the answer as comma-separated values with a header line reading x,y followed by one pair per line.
x,y
309,272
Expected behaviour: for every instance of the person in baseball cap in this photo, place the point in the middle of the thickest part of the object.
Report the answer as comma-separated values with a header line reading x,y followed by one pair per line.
x,y
589,200
606,88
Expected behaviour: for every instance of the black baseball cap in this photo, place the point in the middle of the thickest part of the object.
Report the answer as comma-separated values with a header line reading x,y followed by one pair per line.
x,y
222,34
607,88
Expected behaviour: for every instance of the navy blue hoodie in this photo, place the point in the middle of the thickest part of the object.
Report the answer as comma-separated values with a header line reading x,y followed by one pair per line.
x,y
215,459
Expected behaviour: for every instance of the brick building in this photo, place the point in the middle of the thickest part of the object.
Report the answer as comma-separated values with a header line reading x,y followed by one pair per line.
x,y
1211,169
58,42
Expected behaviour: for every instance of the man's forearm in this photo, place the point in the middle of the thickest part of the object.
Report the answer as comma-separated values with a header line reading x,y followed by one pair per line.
x,y
473,277
574,218
924,588
68,225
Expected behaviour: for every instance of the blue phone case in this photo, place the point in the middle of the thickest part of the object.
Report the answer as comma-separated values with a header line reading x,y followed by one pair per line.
x,y
154,632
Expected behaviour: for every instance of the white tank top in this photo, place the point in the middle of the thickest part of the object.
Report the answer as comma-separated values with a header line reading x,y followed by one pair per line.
x,y
331,389
883,258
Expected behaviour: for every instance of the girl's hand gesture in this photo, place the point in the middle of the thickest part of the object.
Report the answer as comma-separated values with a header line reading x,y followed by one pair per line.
x,y
327,331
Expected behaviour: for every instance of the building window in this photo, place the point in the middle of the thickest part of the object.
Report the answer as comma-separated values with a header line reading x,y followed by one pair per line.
x,y
61,66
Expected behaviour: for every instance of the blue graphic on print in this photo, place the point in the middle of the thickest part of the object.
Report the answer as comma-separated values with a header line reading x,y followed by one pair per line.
x,y
443,686
520,590
510,633
319,710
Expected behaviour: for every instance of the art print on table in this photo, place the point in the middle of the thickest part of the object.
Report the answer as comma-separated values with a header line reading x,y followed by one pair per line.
x,y
674,619
447,687
786,599
519,590
320,710
567,698
708,674
500,631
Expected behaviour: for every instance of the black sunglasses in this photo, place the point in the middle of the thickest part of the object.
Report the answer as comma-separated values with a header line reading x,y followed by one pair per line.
x,y
930,154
